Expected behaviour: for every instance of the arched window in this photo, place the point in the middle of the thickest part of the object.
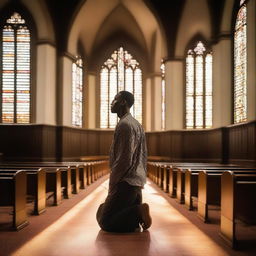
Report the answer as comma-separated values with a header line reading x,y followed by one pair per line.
x,y
198,87
119,72
16,76
77,93
240,69
163,95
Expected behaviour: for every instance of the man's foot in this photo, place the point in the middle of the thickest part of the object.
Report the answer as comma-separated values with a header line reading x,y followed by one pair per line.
x,y
146,219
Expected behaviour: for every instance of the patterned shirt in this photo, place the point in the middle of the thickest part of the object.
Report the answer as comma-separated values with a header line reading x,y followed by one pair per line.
x,y
128,153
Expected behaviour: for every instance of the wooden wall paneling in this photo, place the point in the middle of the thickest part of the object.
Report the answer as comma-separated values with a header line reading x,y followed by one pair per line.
x,y
106,138
242,143
93,142
164,143
83,143
176,138
215,145
48,143
151,138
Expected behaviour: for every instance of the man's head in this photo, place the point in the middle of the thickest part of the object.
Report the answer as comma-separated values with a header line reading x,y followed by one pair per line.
x,y
122,101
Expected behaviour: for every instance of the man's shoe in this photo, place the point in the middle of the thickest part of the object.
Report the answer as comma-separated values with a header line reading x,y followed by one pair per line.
x,y
146,219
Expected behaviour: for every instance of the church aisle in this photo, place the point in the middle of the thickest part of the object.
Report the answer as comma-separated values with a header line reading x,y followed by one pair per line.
x,y
76,232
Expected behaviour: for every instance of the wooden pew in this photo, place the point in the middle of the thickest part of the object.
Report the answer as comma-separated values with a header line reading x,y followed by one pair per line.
x,y
13,193
206,186
36,182
53,184
238,201
52,181
181,171
82,173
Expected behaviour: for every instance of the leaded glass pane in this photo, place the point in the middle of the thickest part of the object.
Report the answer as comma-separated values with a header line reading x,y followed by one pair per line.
x,y
77,93
15,71
163,95
129,74
190,111
240,56
120,72
138,95
199,92
189,91
121,69
208,91
104,99
23,75
198,88
8,75
199,111
112,94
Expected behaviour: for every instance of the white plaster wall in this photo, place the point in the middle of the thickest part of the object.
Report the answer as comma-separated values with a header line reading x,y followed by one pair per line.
x,y
46,85
174,95
66,112
195,19
91,101
222,83
251,59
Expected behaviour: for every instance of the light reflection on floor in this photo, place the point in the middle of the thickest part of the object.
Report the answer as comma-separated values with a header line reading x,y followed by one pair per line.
x,y
77,233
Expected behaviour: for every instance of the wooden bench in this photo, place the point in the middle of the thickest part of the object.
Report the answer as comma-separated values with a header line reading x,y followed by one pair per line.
x,y
52,182
36,183
205,186
238,201
192,180
13,193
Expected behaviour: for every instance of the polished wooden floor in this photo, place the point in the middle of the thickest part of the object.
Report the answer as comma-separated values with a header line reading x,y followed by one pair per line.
x,y
71,229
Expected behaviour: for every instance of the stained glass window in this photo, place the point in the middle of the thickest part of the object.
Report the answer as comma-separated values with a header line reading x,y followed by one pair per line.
x,y
15,60
198,88
163,96
120,72
77,93
240,69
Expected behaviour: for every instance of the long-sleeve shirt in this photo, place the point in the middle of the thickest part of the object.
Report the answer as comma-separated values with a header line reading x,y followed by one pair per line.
x,y
128,153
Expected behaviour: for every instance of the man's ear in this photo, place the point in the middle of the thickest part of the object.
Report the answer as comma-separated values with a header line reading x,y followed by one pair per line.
x,y
123,102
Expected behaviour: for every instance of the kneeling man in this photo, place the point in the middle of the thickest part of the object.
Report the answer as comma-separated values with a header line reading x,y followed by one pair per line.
x,y
123,210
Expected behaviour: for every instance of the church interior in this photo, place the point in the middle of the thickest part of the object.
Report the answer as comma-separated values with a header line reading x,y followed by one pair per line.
x,y
191,67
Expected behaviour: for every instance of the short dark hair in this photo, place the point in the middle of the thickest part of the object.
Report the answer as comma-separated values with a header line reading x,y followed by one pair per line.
x,y
128,97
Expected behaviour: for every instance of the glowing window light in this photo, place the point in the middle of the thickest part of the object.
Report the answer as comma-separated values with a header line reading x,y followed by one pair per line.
x,y
16,75
162,67
77,93
240,67
198,88
119,72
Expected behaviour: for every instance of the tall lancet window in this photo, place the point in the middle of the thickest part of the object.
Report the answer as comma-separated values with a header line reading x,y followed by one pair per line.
x,y
198,88
15,67
77,93
163,95
240,69
120,72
